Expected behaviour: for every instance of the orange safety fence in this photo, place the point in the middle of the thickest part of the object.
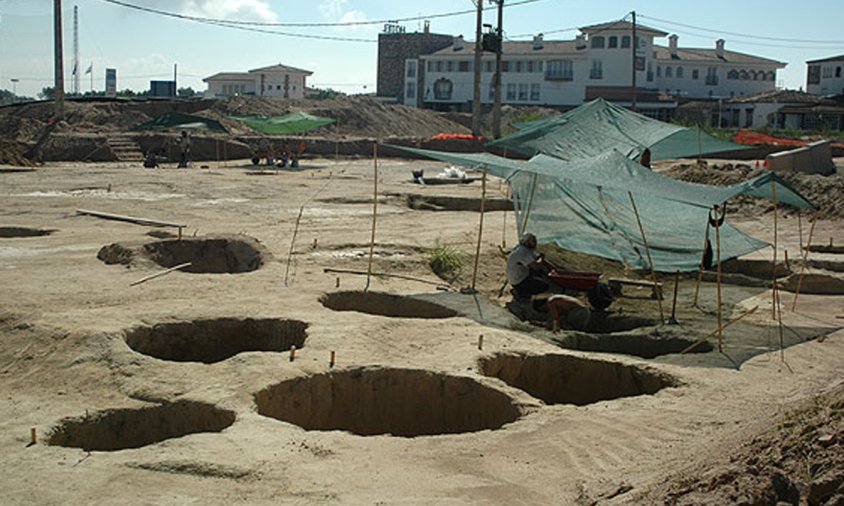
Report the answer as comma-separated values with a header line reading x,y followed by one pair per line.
x,y
461,137
749,138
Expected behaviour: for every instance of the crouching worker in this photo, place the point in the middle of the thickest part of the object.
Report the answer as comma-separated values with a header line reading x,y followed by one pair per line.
x,y
525,268
564,310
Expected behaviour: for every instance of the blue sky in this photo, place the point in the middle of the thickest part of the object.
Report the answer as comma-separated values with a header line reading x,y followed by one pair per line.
x,y
145,46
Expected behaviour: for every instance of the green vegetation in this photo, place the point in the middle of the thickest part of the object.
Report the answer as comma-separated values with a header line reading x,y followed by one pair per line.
x,y
445,261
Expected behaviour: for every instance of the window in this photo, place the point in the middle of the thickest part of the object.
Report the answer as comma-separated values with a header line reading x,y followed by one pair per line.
x,y
772,76
518,66
732,74
837,71
523,91
597,71
449,66
669,71
748,118
443,89
511,91
278,87
463,66
741,75
679,73
712,76
597,42
560,70
410,91
814,74
534,92
827,72
439,66
505,66
659,71
411,69
695,73
530,66
625,42
650,75
613,42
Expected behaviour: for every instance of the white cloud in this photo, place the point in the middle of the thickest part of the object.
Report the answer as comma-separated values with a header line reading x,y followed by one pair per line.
x,y
336,10
234,10
332,9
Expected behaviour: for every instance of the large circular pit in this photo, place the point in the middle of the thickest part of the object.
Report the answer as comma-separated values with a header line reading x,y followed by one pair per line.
x,y
385,304
13,232
565,379
400,402
217,339
210,255
119,429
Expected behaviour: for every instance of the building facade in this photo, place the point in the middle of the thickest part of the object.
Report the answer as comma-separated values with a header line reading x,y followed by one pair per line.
x,y
599,62
825,76
275,81
394,48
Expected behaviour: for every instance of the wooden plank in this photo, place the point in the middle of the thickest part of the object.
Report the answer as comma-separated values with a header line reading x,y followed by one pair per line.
x,y
130,219
159,274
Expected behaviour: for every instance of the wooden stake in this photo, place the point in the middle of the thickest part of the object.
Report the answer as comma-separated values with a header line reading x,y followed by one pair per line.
x,y
159,274
800,228
33,436
774,297
718,277
374,215
805,263
337,282
293,244
673,319
706,337
481,342
331,360
480,229
292,352
700,271
650,261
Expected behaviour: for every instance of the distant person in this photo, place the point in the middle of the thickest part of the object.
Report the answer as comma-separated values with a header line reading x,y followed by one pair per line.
x,y
524,268
184,150
645,159
563,310
151,160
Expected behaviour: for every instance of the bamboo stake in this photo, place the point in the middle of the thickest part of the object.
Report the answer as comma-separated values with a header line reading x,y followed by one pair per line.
x,y
480,229
718,277
293,243
374,215
504,225
337,142
800,227
774,297
706,337
159,274
700,271
805,263
648,251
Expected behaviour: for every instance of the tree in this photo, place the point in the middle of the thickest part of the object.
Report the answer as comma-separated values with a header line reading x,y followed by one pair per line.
x,y
186,92
47,93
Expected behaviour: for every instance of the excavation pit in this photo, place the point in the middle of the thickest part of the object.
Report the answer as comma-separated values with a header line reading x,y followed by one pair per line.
x,y
14,232
608,323
442,203
398,402
385,304
215,340
120,429
565,379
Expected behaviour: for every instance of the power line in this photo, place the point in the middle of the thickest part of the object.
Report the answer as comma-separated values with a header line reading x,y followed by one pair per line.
x,y
745,35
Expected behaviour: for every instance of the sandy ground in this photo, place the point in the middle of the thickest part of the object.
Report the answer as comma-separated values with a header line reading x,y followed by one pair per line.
x,y
63,354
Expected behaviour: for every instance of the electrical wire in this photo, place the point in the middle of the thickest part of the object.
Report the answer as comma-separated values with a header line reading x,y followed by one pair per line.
x,y
735,34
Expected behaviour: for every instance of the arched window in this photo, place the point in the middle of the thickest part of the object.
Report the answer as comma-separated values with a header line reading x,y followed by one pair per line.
x,y
743,75
625,41
597,42
772,76
755,76
442,89
613,42
679,73
669,71
733,74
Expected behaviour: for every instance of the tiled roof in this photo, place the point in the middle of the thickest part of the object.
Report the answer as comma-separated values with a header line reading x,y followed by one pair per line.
x,y
778,97
831,58
709,55
516,48
281,68
230,76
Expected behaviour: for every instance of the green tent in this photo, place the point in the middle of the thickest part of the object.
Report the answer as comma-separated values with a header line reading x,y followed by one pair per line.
x,y
599,126
585,206
290,124
180,121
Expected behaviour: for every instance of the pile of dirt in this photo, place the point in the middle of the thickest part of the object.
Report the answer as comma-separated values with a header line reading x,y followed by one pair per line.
x,y
826,192
801,461
12,153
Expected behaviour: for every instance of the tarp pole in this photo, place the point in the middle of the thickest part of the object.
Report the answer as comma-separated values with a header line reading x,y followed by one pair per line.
x,y
529,205
805,262
800,227
774,268
718,277
480,228
700,271
650,261
504,225
374,214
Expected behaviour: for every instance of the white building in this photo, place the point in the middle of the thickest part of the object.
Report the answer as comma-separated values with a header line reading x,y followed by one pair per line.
x,y
276,81
599,62
826,76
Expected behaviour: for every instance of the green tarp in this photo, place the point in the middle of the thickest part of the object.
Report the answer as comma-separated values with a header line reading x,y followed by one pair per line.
x,y
179,121
289,124
584,206
599,126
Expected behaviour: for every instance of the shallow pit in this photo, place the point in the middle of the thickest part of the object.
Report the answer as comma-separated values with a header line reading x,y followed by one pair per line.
x,y
385,304
13,232
208,255
399,402
442,203
607,323
120,429
215,340
565,379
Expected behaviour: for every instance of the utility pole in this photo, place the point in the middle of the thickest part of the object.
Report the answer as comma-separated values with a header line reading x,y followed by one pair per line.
x,y
476,95
76,70
59,61
496,111
634,44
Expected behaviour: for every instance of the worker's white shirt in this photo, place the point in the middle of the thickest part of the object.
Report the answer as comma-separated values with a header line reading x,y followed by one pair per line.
x,y
517,264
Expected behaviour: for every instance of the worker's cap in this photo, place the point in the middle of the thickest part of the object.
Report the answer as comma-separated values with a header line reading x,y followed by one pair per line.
x,y
526,238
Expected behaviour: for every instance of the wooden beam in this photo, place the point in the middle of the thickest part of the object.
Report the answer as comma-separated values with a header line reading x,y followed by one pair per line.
x,y
131,219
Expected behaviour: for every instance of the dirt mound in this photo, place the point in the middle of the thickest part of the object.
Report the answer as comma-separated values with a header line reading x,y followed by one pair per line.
x,y
801,461
12,153
565,379
385,304
119,429
214,340
825,192
401,402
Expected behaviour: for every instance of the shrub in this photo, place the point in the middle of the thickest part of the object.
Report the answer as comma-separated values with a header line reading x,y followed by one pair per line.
x,y
445,261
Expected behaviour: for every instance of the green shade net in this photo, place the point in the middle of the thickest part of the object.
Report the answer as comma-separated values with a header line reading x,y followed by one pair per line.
x,y
293,123
585,206
180,121
599,126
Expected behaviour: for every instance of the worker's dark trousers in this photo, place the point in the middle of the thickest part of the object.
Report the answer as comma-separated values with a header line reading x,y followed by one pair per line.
x,y
530,286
